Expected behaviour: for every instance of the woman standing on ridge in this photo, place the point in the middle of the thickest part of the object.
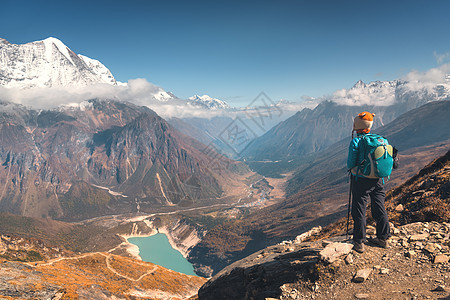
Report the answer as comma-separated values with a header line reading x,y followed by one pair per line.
x,y
363,188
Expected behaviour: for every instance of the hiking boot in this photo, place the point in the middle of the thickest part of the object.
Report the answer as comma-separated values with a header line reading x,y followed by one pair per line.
x,y
378,242
358,247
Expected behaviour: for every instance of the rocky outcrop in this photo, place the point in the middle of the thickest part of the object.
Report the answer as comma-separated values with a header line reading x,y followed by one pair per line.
x,y
182,235
16,282
293,270
261,275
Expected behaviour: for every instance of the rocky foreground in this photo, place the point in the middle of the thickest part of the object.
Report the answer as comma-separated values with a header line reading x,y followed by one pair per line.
x,y
414,266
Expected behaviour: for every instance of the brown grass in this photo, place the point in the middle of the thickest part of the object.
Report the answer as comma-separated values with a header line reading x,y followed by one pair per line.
x,y
119,278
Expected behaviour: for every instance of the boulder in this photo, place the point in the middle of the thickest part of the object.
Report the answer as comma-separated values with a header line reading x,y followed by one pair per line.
x,y
419,237
300,238
440,259
399,208
362,275
335,250
410,253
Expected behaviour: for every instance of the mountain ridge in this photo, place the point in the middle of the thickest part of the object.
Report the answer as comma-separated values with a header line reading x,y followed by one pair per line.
x,y
104,145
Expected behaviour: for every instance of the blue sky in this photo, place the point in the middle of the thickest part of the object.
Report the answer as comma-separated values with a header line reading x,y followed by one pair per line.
x,y
233,50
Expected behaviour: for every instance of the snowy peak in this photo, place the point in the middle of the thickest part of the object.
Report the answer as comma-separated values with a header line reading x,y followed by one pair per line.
x,y
3,42
208,102
374,86
96,66
385,93
51,43
163,96
48,63
359,84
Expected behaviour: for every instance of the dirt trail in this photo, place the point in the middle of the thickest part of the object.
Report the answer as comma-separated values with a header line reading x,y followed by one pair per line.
x,y
108,264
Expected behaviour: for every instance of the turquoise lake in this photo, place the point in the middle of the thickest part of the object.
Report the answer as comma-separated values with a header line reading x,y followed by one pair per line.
x,y
157,249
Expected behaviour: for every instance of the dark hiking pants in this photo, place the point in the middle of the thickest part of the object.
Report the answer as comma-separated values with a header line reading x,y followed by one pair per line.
x,y
362,190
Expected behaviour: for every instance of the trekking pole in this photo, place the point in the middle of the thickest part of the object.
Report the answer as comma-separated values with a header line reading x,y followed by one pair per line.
x,y
349,203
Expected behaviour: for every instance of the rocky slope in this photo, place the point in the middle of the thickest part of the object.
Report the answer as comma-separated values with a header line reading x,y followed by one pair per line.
x,y
57,234
415,266
424,196
321,265
104,157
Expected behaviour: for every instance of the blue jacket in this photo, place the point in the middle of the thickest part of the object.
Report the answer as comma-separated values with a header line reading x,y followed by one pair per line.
x,y
355,157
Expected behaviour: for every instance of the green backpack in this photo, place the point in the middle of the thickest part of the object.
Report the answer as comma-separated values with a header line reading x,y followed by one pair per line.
x,y
378,157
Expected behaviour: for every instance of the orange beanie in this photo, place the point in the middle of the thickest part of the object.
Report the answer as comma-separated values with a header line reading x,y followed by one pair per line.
x,y
363,122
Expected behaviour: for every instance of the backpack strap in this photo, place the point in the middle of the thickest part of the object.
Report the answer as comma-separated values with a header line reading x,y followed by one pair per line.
x,y
358,166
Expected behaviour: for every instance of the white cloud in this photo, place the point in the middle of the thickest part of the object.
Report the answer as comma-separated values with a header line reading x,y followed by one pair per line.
x,y
46,98
374,93
441,58
137,91
434,75
427,80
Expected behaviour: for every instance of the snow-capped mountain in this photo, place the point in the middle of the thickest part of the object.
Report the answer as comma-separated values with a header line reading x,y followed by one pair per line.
x,y
48,63
163,96
208,102
385,93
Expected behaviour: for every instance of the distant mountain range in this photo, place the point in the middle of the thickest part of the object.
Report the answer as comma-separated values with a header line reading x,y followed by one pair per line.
x,y
208,102
313,130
